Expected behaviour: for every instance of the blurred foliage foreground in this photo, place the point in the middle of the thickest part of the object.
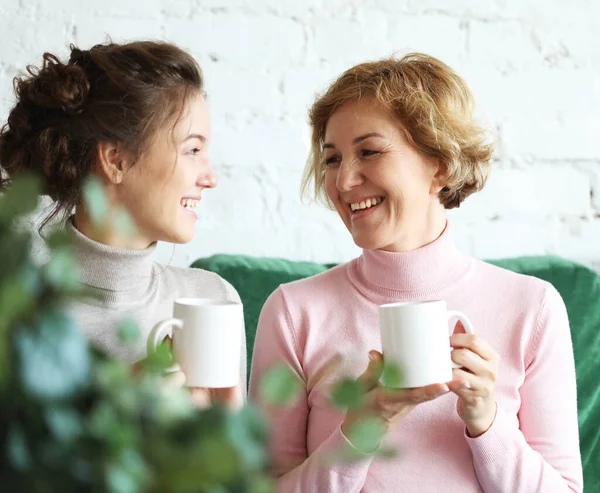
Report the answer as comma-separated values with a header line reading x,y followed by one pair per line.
x,y
74,420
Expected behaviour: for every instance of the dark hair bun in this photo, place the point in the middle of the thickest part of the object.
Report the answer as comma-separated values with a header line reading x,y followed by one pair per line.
x,y
36,137
55,87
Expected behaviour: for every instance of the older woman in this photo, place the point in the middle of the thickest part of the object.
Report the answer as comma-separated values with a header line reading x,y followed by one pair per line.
x,y
394,145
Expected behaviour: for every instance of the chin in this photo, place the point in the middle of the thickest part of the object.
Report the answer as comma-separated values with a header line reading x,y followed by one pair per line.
x,y
368,242
180,236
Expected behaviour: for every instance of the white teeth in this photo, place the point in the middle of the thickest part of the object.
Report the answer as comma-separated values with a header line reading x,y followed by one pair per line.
x,y
366,204
189,203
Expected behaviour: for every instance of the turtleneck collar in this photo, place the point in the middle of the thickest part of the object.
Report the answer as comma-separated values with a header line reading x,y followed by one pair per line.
x,y
414,274
108,268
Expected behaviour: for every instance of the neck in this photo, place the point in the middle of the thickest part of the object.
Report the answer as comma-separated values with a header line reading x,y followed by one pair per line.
x,y
109,269
425,231
109,234
419,273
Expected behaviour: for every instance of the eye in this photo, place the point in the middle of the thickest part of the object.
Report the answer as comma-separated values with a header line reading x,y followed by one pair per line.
x,y
368,152
194,151
333,161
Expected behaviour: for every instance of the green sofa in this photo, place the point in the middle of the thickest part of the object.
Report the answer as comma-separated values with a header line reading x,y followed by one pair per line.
x,y
256,278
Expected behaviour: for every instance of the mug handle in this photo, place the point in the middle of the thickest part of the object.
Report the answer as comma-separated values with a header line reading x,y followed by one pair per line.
x,y
159,332
466,324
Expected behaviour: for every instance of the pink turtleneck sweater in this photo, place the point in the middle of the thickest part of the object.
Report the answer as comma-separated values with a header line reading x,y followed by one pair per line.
x,y
323,328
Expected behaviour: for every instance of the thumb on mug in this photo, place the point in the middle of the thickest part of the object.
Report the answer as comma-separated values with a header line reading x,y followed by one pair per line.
x,y
370,377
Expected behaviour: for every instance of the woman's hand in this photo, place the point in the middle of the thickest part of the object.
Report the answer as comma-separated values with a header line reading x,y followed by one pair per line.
x,y
230,397
476,404
389,406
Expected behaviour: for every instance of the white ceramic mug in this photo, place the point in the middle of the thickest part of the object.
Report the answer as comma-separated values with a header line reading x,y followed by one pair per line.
x,y
415,337
207,341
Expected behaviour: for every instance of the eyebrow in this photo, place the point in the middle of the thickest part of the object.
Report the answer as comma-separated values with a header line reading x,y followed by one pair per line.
x,y
195,136
328,145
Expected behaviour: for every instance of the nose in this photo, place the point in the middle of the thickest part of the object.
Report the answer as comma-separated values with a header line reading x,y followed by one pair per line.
x,y
348,176
208,176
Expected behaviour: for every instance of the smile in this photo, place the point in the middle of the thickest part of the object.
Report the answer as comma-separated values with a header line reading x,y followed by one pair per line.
x,y
365,204
189,204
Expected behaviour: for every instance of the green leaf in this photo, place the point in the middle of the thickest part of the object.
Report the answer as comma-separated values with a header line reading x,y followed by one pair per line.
x,y
392,376
30,276
219,458
15,254
102,419
96,201
123,223
17,451
111,375
158,361
15,302
128,475
21,197
58,238
129,332
262,484
5,358
53,355
248,432
61,271
64,422
348,393
171,405
218,488
281,386
388,453
366,434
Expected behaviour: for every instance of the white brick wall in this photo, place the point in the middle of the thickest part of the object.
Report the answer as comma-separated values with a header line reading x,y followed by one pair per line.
x,y
534,66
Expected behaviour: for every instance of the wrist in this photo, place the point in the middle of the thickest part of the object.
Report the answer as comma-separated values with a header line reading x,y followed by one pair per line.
x,y
365,434
478,427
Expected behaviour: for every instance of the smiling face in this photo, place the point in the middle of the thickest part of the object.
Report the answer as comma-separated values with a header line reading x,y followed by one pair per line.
x,y
163,187
385,191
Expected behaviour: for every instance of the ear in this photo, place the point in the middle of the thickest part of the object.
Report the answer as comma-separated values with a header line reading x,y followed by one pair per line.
x,y
112,161
437,181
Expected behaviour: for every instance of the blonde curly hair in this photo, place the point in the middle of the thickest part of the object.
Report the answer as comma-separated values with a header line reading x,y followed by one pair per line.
x,y
435,108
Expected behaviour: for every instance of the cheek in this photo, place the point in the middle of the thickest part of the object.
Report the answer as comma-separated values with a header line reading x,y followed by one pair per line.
x,y
138,186
330,186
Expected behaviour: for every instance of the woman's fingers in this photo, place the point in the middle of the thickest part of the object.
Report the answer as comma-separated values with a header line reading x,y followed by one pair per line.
x,y
200,398
469,360
230,397
370,378
474,343
173,379
416,395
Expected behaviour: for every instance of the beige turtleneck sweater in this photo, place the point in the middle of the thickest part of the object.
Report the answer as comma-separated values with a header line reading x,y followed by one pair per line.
x,y
128,284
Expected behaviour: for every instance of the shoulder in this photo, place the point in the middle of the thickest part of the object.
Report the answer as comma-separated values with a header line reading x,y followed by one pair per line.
x,y
196,282
320,287
295,300
523,288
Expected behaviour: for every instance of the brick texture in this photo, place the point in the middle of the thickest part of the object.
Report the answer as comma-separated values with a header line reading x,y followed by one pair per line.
x,y
532,64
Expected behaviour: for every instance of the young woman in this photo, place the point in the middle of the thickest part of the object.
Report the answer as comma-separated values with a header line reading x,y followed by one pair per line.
x,y
134,117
